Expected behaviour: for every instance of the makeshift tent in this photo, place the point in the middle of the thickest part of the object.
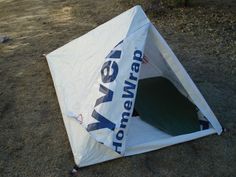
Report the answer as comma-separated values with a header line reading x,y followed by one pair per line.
x,y
96,78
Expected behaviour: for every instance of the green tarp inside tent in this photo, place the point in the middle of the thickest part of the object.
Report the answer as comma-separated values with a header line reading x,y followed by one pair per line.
x,y
161,105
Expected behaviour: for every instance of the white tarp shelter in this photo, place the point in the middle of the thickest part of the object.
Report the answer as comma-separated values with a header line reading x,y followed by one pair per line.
x,y
96,78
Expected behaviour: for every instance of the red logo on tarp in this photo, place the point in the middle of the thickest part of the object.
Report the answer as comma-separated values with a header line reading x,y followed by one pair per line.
x,y
145,60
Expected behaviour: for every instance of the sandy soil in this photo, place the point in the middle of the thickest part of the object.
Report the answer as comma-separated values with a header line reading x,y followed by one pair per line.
x,y
33,140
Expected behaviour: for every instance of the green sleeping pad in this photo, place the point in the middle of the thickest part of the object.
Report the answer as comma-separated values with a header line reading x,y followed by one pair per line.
x,y
161,105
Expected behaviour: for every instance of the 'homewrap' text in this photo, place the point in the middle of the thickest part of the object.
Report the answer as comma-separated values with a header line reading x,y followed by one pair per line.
x,y
109,73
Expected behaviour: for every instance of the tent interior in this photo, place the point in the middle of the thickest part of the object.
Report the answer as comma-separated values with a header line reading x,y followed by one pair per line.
x,y
163,109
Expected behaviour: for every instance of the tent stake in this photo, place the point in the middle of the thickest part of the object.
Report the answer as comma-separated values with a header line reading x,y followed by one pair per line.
x,y
75,170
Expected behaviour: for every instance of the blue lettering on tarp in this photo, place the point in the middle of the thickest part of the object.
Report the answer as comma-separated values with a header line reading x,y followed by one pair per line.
x,y
124,119
107,97
117,145
128,93
129,90
102,122
138,55
114,54
109,71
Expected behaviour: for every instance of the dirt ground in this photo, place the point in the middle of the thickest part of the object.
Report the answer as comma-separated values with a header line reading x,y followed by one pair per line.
x,y
33,140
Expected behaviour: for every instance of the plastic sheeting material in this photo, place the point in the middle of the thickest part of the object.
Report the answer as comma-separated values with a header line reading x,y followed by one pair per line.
x,y
96,78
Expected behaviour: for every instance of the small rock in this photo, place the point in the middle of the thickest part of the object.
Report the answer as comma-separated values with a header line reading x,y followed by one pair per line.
x,y
4,39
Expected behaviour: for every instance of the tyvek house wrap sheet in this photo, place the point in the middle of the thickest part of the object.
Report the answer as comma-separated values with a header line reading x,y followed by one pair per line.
x,y
96,77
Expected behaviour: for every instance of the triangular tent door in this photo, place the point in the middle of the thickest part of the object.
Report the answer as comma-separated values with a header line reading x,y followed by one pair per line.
x,y
122,91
